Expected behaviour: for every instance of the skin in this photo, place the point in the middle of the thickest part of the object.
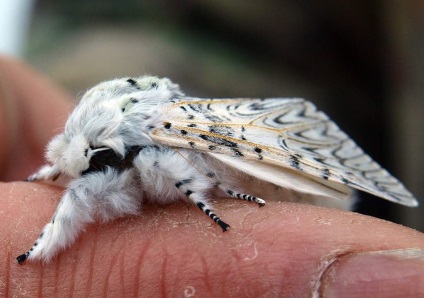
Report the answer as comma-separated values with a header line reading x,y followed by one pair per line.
x,y
282,249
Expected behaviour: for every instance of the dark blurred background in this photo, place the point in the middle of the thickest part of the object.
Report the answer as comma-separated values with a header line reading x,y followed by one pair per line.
x,y
360,61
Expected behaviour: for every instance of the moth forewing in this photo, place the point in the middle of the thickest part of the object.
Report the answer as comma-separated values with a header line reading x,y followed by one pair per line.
x,y
284,133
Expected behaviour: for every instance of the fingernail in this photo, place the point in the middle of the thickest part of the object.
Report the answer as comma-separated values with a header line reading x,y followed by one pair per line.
x,y
390,273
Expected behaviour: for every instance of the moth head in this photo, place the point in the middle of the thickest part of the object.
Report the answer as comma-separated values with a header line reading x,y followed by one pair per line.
x,y
75,154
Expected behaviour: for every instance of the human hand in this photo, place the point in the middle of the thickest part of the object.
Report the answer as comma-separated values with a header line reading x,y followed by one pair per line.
x,y
282,249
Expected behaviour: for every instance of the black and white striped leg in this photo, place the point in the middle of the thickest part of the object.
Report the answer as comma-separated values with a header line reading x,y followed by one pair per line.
x,y
245,197
212,215
185,186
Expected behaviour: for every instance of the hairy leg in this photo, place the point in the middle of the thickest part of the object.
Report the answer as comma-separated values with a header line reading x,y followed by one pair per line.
x,y
103,195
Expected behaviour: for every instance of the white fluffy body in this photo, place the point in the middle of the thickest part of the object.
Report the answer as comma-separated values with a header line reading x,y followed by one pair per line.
x,y
136,139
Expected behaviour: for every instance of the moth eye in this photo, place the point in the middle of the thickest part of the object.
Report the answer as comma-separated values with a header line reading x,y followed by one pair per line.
x,y
134,100
154,85
123,110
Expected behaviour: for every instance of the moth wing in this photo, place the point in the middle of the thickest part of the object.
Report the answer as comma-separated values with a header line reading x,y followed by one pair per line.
x,y
287,134
286,177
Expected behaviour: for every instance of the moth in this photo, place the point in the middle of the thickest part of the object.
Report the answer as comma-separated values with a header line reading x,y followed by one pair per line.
x,y
132,140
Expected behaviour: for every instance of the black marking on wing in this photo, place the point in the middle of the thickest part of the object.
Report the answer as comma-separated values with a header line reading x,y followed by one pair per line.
x,y
213,118
218,141
222,130
345,180
197,108
237,152
325,173
294,162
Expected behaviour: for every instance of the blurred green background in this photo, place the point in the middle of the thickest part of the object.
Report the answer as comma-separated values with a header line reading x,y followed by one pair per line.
x,y
359,61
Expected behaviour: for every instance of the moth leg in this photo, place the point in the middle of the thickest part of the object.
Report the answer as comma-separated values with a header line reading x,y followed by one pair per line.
x,y
208,212
61,231
105,195
234,194
189,188
46,172
224,226
246,197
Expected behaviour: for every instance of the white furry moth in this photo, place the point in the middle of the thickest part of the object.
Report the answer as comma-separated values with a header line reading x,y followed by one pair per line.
x,y
136,139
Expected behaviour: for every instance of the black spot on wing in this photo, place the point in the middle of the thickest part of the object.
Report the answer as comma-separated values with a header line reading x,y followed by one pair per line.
x,y
218,141
294,162
238,152
215,118
195,107
345,180
222,130
325,173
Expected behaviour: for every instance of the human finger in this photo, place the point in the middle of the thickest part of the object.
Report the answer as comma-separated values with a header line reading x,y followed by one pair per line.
x,y
282,249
